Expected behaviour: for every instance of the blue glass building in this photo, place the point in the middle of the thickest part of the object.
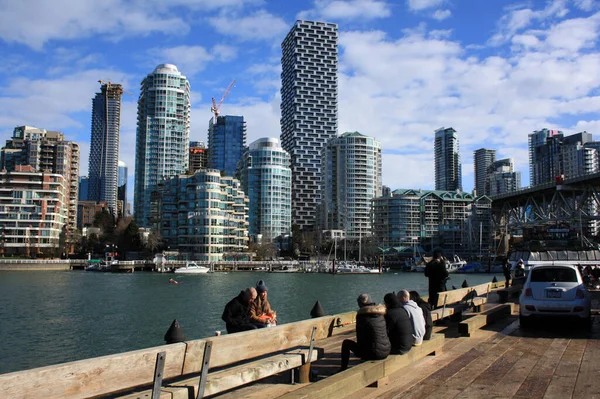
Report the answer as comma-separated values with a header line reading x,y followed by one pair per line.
x,y
226,143
122,186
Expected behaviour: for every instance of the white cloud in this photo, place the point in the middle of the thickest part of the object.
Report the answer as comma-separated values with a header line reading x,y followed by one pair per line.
x,y
586,5
347,10
260,25
419,5
441,15
191,59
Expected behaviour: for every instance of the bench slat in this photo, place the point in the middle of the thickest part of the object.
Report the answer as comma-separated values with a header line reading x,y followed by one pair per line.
x,y
467,327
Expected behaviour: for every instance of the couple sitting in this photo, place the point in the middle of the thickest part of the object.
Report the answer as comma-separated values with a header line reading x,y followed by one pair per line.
x,y
249,310
381,330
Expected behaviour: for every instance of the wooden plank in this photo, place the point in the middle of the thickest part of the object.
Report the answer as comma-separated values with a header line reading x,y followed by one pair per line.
x,y
455,308
462,294
92,377
467,327
345,383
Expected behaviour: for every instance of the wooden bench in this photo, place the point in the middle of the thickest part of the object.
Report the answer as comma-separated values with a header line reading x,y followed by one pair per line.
x,y
454,302
467,327
178,370
368,373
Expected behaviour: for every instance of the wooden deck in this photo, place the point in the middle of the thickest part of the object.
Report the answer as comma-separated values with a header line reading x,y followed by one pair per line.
x,y
499,361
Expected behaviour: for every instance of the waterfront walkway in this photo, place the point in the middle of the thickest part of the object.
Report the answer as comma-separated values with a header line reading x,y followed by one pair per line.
x,y
499,361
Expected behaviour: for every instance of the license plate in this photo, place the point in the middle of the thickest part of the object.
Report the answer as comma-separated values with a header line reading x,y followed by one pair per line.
x,y
553,294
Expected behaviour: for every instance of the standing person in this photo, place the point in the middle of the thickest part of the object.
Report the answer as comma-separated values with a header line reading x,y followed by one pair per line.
x,y
237,312
261,314
372,342
519,278
416,317
438,274
399,327
426,308
506,272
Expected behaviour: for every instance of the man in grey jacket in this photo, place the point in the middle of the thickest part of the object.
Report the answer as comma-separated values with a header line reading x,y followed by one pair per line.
x,y
416,317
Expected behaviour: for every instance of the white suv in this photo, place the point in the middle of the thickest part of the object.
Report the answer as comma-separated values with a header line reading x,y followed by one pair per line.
x,y
555,290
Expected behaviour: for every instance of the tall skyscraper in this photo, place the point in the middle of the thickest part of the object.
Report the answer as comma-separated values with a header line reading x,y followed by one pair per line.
x,y
502,178
309,109
104,145
83,188
198,156
482,159
226,143
163,130
266,178
542,156
448,169
351,178
122,187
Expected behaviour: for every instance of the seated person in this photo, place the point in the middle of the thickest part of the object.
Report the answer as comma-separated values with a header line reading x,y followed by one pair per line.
x,y
372,342
416,317
237,312
261,314
399,327
426,308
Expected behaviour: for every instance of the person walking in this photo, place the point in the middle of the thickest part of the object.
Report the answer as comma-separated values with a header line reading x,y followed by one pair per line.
x,y
437,273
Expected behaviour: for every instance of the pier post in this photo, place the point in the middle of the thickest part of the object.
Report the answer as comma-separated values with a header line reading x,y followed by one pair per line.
x,y
174,334
317,310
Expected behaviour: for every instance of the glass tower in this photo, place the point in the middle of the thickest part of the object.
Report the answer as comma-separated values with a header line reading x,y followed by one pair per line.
x,y
266,178
226,143
483,158
163,130
122,186
104,145
448,169
309,109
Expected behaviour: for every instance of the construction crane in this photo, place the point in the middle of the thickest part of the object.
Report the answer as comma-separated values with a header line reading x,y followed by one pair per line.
x,y
215,107
108,84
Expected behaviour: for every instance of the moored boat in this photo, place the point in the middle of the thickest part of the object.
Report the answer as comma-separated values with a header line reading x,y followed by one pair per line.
x,y
192,268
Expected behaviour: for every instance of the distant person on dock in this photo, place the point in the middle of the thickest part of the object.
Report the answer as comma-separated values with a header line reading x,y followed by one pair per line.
x,y
237,312
416,317
519,278
399,327
437,273
426,308
506,272
261,314
372,342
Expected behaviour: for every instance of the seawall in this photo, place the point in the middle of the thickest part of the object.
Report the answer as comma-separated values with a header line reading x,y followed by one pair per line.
x,y
39,264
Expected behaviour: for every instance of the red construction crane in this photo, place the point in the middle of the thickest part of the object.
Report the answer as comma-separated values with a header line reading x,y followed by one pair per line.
x,y
215,107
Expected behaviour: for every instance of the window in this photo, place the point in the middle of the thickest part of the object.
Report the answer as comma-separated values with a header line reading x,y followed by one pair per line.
x,y
559,274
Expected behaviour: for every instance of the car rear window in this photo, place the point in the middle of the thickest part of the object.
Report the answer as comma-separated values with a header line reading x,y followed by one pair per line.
x,y
565,275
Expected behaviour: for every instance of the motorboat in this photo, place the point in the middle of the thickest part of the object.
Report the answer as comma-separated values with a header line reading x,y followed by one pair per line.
x,y
192,268
452,265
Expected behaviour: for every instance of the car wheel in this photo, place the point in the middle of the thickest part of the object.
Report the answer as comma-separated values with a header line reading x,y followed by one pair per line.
x,y
525,322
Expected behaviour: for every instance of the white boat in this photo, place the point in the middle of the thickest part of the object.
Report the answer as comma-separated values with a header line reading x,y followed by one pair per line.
x,y
287,269
192,268
350,268
452,265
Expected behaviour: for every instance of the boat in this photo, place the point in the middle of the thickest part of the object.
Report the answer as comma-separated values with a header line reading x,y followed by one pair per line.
x,y
192,268
287,269
452,265
351,268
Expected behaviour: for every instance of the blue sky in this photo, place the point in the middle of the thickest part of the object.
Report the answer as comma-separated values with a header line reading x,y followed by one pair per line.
x,y
494,70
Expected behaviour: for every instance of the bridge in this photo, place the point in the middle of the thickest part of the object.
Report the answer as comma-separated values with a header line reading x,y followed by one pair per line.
x,y
573,200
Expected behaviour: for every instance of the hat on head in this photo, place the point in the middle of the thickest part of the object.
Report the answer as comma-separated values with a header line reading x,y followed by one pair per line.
x,y
261,286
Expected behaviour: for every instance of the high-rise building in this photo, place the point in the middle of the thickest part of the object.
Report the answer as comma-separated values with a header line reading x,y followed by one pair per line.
x,y
266,178
448,169
351,178
543,156
226,143
198,156
309,109
122,187
163,130
501,177
83,188
482,159
104,146
46,151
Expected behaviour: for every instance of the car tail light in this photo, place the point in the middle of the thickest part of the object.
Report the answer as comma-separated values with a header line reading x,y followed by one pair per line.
x,y
579,294
531,308
578,309
528,292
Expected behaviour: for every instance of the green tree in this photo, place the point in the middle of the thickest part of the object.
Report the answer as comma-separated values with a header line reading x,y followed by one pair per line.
x,y
154,241
129,239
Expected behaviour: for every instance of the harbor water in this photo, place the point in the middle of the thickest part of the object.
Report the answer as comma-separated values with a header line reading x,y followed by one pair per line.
x,y
54,317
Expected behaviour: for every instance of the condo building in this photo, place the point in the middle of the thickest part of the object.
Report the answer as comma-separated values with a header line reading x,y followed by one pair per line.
x,y
448,168
103,172
198,156
266,178
163,129
351,178
122,188
482,159
204,215
309,110
226,143
502,178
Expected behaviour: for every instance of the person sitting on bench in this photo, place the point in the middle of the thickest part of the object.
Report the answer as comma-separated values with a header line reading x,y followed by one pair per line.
x,y
237,312
372,342
261,314
399,327
426,308
416,317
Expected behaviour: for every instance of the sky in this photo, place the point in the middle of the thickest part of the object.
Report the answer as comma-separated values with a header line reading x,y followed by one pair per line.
x,y
494,70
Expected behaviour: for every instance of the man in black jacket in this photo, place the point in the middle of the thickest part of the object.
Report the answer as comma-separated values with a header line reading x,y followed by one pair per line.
x,y
237,312
438,274
399,327
372,342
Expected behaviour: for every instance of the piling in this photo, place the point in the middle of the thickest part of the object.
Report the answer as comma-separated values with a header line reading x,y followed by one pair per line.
x,y
465,284
317,310
174,334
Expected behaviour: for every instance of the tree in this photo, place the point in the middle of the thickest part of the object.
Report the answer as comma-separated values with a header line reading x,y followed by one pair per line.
x,y
154,241
106,222
129,239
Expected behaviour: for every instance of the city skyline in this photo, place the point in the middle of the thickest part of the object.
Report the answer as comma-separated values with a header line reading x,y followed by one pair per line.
x,y
406,68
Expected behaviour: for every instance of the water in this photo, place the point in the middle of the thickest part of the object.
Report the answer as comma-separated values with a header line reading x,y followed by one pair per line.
x,y
55,317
